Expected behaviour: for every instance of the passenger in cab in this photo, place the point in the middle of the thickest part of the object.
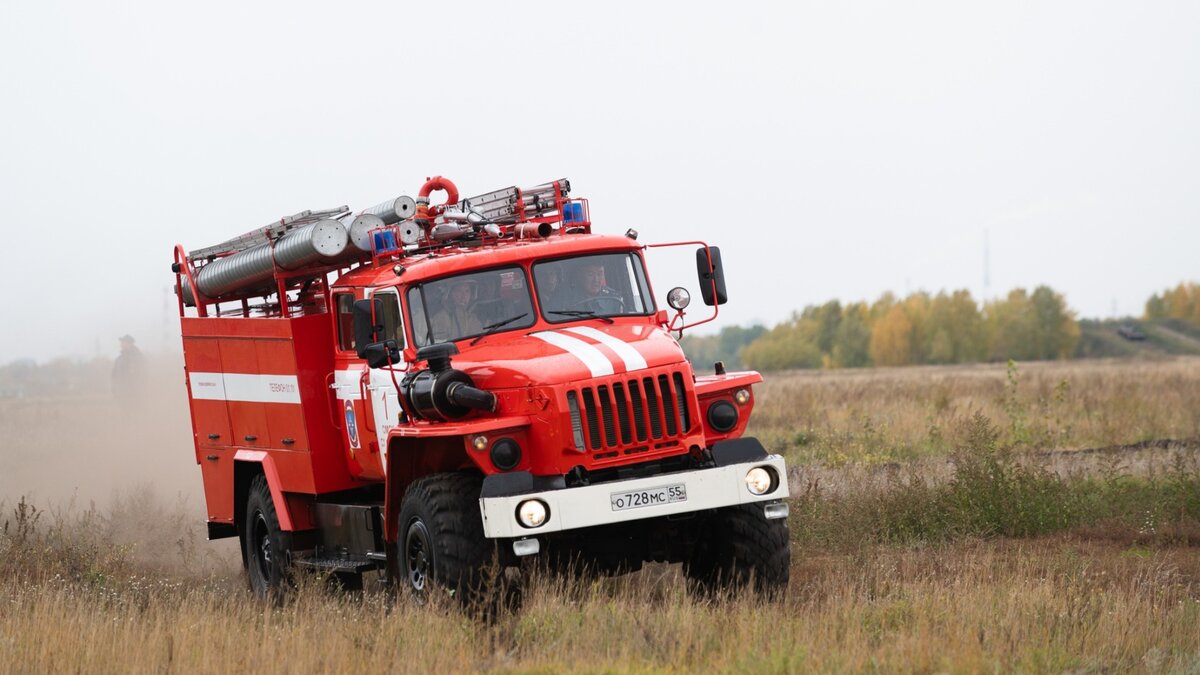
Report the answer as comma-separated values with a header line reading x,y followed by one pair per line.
x,y
457,319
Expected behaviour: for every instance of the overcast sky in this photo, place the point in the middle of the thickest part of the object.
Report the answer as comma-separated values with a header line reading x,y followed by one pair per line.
x,y
833,150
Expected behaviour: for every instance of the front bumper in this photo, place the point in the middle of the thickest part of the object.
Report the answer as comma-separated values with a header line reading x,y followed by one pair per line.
x,y
591,505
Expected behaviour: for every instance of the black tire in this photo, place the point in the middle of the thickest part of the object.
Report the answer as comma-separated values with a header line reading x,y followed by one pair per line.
x,y
266,548
442,547
739,549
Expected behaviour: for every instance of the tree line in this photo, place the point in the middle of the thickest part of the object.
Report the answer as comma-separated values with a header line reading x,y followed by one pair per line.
x,y
918,329
1181,302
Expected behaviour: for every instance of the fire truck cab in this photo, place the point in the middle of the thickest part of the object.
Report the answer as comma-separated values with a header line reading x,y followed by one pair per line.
x,y
437,392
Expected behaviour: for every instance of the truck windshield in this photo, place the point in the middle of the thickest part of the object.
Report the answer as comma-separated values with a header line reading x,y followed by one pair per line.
x,y
605,285
466,305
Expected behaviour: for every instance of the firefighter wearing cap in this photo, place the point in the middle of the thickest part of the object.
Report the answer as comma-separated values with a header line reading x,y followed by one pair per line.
x,y
128,371
457,319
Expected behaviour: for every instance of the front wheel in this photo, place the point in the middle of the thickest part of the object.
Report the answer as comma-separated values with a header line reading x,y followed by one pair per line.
x,y
739,550
442,546
266,547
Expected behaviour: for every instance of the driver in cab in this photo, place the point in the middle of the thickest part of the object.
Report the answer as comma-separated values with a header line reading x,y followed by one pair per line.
x,y
596,295
457,319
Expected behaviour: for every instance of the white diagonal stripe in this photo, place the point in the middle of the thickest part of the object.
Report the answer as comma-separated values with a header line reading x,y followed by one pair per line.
x,y
593,358
633,360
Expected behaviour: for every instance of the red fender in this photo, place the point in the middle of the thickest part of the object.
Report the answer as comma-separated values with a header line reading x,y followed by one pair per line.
x,y
451,450
713,384
272,474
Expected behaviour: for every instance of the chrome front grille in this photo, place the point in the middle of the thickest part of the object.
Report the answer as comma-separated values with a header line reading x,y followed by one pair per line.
x,y
636,411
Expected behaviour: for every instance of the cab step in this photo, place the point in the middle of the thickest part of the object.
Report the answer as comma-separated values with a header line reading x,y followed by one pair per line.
x,y
337,564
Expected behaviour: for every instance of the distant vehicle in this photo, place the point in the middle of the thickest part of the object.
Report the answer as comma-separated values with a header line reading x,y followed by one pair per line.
x,y
1131,332
335,433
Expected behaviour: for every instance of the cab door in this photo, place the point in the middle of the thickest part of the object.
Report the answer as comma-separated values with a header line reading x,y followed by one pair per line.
x,y
348,382
367,401
382,386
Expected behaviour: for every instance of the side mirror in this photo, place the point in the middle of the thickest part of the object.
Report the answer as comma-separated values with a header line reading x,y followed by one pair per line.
x,y
367,334
712,283
380,354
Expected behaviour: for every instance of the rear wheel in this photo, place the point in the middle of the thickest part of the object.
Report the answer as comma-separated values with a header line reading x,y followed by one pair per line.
x,y
267,548
442,547
740,550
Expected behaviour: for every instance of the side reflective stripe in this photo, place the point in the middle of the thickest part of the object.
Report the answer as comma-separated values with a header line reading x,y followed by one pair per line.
x,y
592,358
633,360
245,387
207,386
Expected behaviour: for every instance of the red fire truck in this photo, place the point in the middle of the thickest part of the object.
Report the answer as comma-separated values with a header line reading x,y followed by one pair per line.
x,y
435,392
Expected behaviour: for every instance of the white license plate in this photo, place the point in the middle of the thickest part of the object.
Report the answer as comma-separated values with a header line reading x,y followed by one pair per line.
x,y
636,499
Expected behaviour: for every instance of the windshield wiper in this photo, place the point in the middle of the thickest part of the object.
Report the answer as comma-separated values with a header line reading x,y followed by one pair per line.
x,y
493,327
581,312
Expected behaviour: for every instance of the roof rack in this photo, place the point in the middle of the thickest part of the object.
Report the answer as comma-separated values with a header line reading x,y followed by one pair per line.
x,y
298,249
269,233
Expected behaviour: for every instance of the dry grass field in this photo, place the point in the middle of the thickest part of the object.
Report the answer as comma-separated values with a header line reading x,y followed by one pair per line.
x,y
1044,518
874,416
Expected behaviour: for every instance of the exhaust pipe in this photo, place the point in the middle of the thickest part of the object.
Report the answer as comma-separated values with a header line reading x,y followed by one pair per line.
x,y
533,230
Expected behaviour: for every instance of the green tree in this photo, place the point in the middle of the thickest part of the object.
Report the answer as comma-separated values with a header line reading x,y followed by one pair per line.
x,y
1009,327
882,306
1028,327
792,344
725,346
1055,332
826,319
852,341
916,308
955,329
1156,308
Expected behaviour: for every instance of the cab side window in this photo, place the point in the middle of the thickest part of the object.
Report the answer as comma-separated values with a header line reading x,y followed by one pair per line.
x,y
393,327
345,321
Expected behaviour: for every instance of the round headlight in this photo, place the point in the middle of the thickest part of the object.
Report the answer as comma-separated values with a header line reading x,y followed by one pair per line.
x,y
479,443
741,396
678,298
722,416
506,454
759,480
532,513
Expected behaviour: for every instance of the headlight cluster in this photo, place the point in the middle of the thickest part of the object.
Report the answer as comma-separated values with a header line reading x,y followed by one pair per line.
x,y
532,513
505,454
723,416
761,480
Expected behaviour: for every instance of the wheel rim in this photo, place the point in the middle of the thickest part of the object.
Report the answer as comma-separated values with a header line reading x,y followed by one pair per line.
x,y
262,546
418,555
